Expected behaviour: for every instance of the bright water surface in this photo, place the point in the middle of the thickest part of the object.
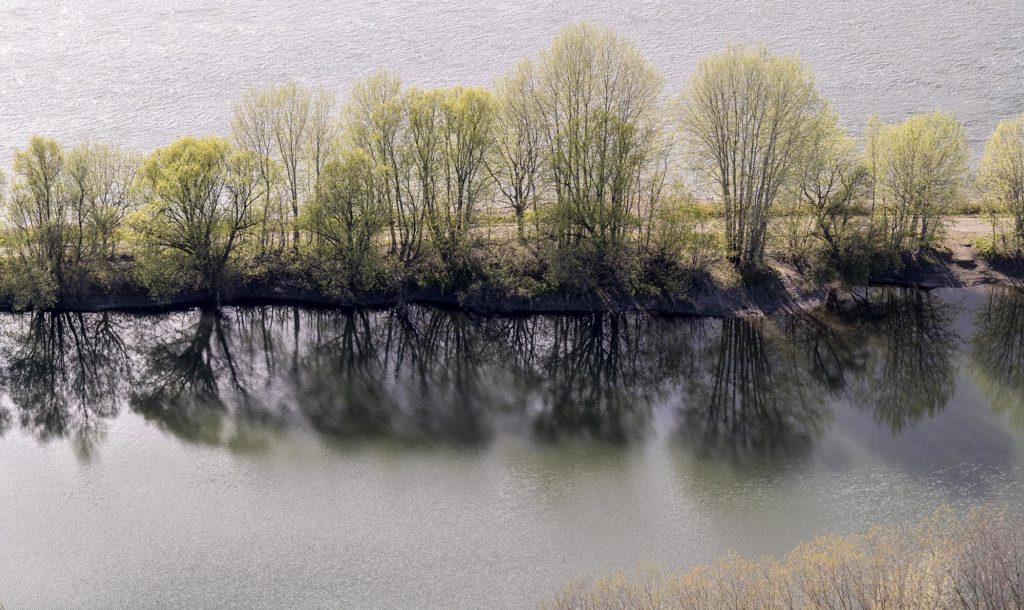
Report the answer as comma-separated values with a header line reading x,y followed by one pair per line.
x,y
287,457
142,72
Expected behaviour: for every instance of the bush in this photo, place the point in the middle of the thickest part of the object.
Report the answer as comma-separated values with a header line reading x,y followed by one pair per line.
x,y
682,230
591,268
1001,249
26,285
944,561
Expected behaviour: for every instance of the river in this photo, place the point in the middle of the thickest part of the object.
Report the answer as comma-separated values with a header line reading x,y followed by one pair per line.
x,y
143,72
289,457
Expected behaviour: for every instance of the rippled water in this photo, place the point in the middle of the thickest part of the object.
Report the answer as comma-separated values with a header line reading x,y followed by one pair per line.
x,y
141,72
276,456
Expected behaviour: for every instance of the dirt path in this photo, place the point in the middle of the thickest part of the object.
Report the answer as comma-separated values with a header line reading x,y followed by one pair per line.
x,y
963,266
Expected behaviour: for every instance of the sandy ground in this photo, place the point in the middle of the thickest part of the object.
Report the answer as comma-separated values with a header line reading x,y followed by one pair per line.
x,y
963,266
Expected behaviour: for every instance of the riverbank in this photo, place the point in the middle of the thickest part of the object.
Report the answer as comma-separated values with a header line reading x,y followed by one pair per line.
x,y
781,288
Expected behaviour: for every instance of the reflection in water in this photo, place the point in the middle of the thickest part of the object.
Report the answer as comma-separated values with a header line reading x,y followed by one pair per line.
x,y
597,375
64,373
193,385
910,371
417,374
736,389
755,396
997,353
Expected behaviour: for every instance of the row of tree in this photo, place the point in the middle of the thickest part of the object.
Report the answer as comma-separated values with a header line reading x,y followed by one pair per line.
x,y
580,144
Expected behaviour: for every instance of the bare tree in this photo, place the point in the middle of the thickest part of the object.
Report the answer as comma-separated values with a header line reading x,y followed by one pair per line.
x,y
252,130
291,119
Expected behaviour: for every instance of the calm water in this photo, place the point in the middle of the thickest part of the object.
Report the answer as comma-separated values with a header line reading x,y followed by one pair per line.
x,y
274,457
141,72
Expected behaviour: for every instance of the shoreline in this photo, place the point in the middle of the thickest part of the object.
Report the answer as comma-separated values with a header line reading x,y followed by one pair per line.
x,y
785,291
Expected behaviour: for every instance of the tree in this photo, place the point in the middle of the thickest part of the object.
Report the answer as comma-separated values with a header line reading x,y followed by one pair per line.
x,y
66,373
252,130
515,166
65,215
291,115
746,114
289,129
200,195
451,136
832,180
321,136
1001,174
101,195
349,211
37,216
599,107
376,122
920,169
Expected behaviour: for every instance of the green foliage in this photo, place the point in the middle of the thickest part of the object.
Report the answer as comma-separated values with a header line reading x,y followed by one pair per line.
x,y
592,268
748,116
682,230
64,218
376,120
565,177
516,272
290,132
919,168
200,194
451,137
599,115
516,162
832,186
1001,179
346,217
26,285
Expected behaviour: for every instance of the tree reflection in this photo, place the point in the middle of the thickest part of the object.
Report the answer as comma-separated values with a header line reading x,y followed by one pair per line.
x,y
997,353
753,397
740,389
65,372
911,372
193,385
342,387
587,380
414,373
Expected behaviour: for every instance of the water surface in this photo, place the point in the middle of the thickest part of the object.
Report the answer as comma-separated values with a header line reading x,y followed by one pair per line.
x,y
143,72
277,456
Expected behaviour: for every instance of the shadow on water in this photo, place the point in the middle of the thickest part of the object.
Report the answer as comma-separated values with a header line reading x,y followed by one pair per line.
x,y
743,391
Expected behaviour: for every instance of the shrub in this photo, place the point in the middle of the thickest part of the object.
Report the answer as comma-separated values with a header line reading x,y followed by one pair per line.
x,y
944,561
26,285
